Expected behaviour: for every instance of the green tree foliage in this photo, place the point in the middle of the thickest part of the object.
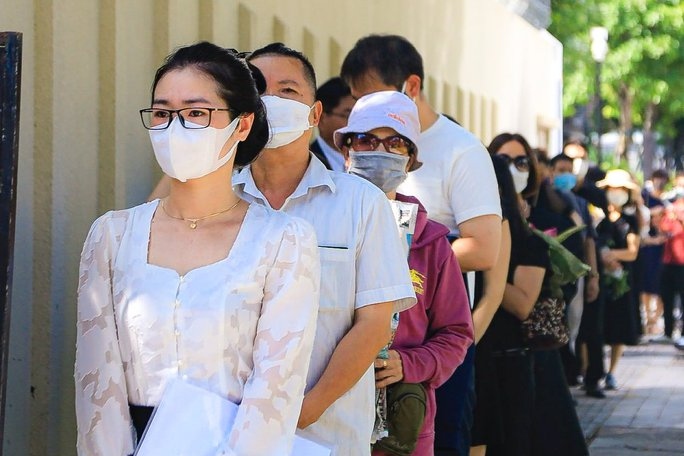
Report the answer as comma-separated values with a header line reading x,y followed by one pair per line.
x,y
642,80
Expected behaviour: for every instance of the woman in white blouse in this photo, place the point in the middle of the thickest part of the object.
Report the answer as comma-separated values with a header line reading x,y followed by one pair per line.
x,y
199,285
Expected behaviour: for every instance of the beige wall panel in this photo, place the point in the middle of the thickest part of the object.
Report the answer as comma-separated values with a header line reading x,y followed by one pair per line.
x,y
495,120
462,111
106,172
247,21
309,47
205,20
335,57
485,120
17,16
430,88
226,26
514,69
448,99
66,152
183,22
75,142
279,31
136,167
474,114
42,211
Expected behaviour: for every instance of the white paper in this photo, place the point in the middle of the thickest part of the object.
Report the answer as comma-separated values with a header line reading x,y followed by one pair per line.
x,y
191,421
405,214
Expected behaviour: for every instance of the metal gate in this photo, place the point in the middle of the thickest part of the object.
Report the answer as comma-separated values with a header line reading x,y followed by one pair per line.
x,y
10,85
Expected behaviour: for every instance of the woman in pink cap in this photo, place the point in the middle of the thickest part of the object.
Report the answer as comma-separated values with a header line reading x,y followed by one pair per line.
x,y
432,337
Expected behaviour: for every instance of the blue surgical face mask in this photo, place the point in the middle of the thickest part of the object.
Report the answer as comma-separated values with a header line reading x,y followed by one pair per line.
x,y
565,182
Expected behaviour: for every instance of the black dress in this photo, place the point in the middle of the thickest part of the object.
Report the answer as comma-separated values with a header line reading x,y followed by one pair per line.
x,y
504,376
619,317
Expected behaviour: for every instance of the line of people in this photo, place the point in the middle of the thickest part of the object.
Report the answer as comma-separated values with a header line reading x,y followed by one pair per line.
x,y
268,268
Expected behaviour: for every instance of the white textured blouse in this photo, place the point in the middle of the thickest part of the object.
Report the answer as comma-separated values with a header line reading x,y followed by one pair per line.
x,y
242,327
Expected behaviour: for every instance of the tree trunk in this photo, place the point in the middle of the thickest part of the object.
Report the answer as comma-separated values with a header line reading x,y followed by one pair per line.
x,y
648,153
625,98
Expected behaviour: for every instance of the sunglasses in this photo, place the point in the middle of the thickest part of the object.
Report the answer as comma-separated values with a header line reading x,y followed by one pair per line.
x,y
521,163
363,142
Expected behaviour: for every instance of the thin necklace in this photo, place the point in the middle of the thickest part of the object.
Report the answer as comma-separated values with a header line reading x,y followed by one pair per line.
x,y
193,221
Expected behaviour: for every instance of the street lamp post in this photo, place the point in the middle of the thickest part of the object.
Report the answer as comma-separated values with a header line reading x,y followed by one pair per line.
x,y
599,49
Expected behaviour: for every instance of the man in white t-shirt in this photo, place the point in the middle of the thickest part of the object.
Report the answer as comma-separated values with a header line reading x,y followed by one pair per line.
x,y
364,272
457,186
456,183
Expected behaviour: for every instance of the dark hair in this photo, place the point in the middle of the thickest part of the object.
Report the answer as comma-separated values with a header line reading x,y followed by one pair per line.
x,y
282,50
575,142
452,119
560,157
236,86
542,156
660,174
534,179
392,57
594,174
331,92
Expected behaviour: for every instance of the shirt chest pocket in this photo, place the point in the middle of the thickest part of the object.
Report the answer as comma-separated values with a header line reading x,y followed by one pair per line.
x,y
338,286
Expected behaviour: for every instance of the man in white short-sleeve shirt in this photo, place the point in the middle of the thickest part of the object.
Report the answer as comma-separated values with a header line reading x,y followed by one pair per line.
x,y
364,276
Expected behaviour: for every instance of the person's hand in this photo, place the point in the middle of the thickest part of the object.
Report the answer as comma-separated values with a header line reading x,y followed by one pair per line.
x,y
659,239
576,218
310,412
612,265
608,257
388,371
591,289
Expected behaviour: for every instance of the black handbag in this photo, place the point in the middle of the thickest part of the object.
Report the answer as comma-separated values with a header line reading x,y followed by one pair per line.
x,y
546,327
406,408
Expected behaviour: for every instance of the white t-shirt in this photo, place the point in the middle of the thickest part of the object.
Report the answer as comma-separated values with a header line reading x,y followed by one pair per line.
x,y
362,263
457,181
229,327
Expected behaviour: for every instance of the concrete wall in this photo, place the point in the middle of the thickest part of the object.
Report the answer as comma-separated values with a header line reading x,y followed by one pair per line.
x,y
87,69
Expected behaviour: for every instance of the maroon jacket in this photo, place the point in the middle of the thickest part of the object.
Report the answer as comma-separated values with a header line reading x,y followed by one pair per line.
x,y
433,336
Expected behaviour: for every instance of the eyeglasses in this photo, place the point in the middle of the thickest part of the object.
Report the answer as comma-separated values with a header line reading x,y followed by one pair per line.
x,y
366,141
521,163
190,118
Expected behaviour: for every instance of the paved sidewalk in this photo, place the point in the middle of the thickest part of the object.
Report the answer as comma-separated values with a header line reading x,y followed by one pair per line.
x,y
645,416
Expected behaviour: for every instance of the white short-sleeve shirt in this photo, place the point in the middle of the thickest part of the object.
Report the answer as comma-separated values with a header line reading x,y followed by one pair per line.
x,y
457,181
362,263
242,327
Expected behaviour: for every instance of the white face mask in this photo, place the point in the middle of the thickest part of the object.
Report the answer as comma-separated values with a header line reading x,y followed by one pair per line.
x,y
580,167
617,197
184,153
287,119
519,178
403,90
384,169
